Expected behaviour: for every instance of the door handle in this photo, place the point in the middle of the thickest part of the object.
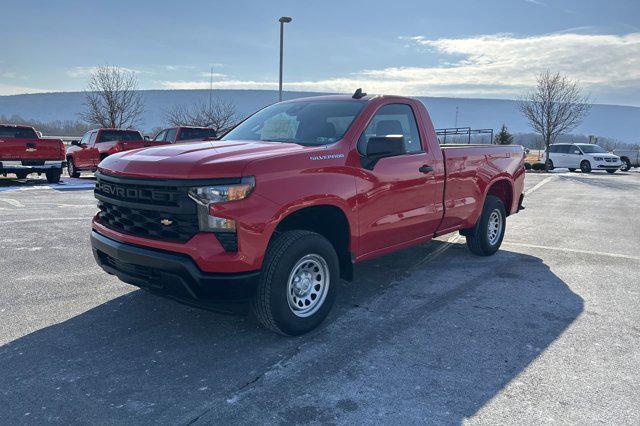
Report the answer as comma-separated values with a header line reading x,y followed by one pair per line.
x,y
425,169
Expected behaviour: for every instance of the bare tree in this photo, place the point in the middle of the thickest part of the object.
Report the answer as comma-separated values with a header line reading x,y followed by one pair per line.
x,y
218,114
112,98
556,106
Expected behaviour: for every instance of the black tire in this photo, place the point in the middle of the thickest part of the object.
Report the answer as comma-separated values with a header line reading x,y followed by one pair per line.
x,y
611,171
585,166
53,176
71,169
550,165
22,175
572,170
626,165
271,303
478,239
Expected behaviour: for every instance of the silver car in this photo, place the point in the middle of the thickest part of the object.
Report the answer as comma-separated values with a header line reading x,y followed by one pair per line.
x,y
630,158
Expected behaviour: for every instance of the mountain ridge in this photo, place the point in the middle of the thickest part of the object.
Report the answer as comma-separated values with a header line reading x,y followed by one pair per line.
x,y
612,121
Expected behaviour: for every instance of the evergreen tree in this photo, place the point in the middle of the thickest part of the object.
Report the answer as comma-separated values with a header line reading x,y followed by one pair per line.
x,y
503,137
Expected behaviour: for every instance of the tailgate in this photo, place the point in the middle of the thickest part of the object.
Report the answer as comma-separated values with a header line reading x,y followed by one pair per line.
x,y
30,149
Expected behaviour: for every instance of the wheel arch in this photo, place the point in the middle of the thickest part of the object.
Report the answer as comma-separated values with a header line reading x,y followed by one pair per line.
x,y
502,188
328,220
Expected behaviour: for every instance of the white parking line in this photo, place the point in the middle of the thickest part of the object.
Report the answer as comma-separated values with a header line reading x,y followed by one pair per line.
x,y
542,182
568,250
11,201
52,219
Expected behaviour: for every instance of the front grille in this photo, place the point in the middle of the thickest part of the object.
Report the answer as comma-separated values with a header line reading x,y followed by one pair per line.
x,y
148,223
156,195
149,208
610,160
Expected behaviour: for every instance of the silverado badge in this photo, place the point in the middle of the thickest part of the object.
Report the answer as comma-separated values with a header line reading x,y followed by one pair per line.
x,y
166,222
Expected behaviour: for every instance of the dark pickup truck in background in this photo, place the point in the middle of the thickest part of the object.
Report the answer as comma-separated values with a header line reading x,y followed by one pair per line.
x,y
280,208
96,145
185,134
630,158
23,151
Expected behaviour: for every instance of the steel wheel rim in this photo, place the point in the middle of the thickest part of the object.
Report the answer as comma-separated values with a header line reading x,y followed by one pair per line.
x,y
494,227
308,285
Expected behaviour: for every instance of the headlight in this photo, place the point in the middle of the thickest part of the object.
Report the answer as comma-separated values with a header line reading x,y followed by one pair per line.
x,y
598,158
205,196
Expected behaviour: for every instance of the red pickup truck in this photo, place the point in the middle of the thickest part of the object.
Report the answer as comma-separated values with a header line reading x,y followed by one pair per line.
x,y
96,145
280,208
185,134
23,151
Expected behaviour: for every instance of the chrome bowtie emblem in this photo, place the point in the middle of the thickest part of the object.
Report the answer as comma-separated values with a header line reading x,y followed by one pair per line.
x,y
166,222
30,149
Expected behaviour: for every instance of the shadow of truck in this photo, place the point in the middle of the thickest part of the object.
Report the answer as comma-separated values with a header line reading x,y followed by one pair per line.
x,y
433,344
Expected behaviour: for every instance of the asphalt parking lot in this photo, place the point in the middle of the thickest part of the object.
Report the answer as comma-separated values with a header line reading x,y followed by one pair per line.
x,y
547,330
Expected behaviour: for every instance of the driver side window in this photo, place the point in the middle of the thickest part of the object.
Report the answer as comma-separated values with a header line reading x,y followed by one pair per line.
x,y
85,138
160,136
393,120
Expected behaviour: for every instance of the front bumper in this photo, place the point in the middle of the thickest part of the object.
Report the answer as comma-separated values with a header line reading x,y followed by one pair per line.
x,y
11,166
169,274
608,166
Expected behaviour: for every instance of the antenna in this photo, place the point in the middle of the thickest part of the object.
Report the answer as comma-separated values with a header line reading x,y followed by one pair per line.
x,y
359,94
210,87
456,116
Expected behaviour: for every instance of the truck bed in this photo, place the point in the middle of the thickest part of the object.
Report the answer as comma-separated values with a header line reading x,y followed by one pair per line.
x,y
469,169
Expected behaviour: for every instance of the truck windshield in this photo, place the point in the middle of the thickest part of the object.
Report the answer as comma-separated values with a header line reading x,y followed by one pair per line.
x,y
311,123
119,135
17,132
592,149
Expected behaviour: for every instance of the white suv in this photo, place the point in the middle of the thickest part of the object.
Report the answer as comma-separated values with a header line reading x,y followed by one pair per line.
x,y
583,156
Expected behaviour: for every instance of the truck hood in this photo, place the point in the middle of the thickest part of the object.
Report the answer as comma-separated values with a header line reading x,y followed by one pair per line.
x,y
197,160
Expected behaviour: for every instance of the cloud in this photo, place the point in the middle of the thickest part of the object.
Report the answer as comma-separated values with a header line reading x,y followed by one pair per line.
x,y
499,65
536,2
77,72
8,89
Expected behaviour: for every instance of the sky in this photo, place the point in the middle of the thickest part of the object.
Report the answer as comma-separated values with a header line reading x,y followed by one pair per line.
x,y
461,48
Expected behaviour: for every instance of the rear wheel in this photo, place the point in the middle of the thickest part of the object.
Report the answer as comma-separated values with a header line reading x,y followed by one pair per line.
x,y
485,238
298,283
71,169
585,166
549,165
22,175
53,176
626,165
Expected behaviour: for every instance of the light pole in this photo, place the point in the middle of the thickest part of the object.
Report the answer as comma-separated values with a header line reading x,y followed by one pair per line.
x,y
283,20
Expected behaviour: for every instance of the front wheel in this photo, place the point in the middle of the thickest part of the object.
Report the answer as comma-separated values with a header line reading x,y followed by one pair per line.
x,y
550,165
585,166
485,238
71,169
53,176
298,283
626,165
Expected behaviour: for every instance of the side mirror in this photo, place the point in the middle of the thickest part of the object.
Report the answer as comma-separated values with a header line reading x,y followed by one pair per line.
x,y
147,138
379,147
75,143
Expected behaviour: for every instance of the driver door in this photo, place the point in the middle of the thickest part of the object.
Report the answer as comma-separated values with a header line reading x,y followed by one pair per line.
x,y
82,157
397,198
